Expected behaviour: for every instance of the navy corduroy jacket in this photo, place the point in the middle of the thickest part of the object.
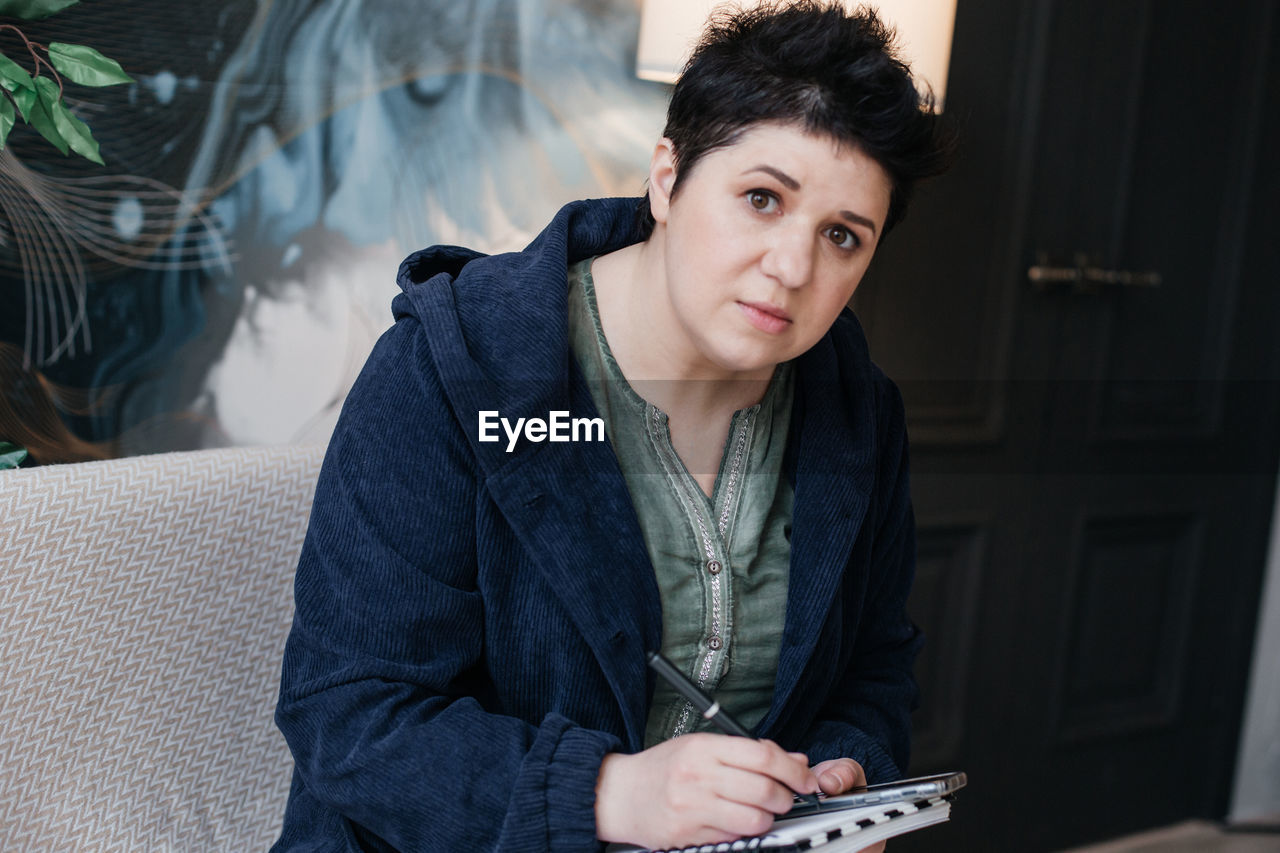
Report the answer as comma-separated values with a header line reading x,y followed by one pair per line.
x,y
471,623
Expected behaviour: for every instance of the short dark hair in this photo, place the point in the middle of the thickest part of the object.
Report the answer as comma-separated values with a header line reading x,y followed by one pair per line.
x,y
815,65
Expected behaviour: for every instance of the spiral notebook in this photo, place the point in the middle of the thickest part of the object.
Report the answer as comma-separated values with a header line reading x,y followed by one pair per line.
x,y
836,831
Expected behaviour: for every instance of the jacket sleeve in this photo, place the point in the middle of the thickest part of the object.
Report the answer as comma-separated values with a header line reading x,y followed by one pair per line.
x,y
383,689
867,717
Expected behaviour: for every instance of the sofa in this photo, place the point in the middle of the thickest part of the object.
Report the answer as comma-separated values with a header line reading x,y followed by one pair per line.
x,y
143,612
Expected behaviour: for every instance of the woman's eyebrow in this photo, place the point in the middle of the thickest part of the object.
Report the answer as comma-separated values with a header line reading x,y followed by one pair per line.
x,y
859,219
786,180
793,185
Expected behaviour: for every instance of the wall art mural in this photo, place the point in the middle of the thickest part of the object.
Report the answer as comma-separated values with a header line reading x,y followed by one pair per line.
x,y
222,277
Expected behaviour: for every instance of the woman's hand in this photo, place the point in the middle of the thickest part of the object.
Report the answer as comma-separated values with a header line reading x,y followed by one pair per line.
x,y
839,775
697,789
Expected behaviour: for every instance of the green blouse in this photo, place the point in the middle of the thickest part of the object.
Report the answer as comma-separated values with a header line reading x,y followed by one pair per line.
x,y
721,562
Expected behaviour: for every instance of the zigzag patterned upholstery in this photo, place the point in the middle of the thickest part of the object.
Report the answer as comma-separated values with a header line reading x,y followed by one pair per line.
x,y
143,611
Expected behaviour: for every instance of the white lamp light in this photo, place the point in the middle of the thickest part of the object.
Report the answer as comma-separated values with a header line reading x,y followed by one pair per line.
x,y
670,28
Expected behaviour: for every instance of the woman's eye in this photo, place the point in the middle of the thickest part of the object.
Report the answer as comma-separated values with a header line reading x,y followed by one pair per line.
x,y
843,237
763,201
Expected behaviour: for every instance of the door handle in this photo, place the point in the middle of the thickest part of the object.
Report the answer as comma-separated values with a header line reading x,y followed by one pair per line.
x,y
1087,277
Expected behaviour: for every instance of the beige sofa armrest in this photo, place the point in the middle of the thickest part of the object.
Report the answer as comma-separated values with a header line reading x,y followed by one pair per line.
x,y
144,604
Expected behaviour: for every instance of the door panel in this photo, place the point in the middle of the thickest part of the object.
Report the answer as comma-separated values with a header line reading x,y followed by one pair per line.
x,y
1093,463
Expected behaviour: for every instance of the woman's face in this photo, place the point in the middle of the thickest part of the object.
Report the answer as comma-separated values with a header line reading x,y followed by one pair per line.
x,y
764,244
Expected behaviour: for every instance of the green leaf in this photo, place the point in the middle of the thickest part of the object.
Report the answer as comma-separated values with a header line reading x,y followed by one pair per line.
x,y
33,10
85,65
6,120
25,98
70,128
10,70
11,455
77,133
42,113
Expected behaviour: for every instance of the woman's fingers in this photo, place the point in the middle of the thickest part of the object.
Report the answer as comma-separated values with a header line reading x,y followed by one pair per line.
x,y
754,790
764,757
726,820
839,775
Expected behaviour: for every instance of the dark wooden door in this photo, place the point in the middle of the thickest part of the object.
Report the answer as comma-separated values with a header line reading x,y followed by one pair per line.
x,y
1094,457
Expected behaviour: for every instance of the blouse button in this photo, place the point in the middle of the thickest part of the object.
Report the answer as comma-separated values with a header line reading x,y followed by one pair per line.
x,y
714,566
714,643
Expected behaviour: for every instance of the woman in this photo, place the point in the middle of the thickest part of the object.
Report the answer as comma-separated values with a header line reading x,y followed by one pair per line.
x,y
466,668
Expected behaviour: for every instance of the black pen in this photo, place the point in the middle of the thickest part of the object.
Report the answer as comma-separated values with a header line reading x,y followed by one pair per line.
x,y
705,705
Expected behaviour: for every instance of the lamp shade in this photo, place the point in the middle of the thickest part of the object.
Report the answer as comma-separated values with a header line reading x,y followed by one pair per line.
x,y
670,28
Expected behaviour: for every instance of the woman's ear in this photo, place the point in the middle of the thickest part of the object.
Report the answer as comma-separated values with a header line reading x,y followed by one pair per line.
x,y
662,177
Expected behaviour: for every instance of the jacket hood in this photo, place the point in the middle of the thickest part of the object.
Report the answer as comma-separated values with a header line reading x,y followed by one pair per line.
x,y
508,305
497,325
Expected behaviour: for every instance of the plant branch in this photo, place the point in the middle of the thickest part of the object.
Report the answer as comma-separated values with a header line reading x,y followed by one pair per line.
x,y
31,46
36,60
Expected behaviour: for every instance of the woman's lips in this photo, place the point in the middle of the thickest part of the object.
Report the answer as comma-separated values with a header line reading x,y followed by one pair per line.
x,y
765,317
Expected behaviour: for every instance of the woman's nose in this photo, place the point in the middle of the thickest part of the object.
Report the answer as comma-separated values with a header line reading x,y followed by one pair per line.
x,y
789,257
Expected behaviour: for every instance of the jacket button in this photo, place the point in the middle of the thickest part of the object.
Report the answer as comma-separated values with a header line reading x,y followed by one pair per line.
x,y
714,566
714,643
